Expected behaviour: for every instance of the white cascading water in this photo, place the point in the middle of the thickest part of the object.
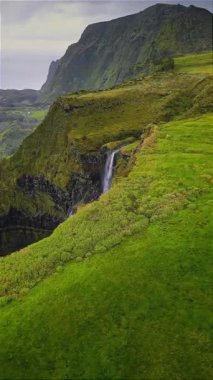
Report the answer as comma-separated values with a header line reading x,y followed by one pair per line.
x,y
107,178
108,170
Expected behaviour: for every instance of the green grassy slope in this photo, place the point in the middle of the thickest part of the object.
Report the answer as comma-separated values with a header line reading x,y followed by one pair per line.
x,y
195,63
134,300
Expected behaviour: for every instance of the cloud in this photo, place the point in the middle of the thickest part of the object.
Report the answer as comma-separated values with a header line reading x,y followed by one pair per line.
x,y
19,75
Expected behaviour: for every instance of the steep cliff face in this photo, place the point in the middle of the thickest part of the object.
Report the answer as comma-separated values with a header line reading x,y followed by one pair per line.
x,y
22,225
110,52
19,229
36,205
61,164
51,74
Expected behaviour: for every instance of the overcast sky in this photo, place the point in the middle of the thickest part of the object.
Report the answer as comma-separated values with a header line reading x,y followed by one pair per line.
x,y
33,33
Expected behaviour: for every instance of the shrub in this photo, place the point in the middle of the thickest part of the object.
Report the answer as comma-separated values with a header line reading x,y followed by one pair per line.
x,y
164,64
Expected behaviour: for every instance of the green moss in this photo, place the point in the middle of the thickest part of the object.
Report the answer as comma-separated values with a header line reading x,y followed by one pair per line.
x,y
116,144
130,147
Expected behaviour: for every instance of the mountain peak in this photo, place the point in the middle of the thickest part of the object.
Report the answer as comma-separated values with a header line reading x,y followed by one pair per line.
x,y
113,51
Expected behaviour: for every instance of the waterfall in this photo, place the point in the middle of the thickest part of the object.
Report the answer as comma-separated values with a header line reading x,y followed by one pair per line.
x,y
70,212
107,175
108,170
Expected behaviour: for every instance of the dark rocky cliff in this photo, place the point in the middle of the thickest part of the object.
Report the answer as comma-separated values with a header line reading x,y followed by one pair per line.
x,y
20,227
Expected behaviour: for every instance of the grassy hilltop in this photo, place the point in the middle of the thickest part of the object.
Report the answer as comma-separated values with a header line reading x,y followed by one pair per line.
x,y
122,289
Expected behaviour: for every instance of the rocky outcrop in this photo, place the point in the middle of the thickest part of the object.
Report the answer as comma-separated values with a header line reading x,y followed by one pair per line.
x,y
84,188
19,228
32,185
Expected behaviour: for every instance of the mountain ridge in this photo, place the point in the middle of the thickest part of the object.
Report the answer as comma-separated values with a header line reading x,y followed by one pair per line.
x,y
110,52
49,93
